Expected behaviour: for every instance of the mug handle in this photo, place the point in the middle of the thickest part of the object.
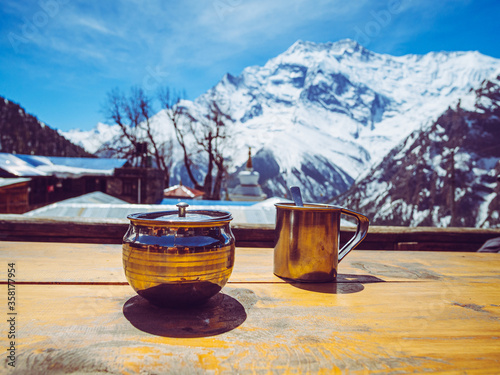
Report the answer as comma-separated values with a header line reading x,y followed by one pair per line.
x,y
361,230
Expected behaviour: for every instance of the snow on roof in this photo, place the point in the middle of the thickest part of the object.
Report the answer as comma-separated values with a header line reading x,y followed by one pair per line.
x,y
33,165
88,163
270,202
63,171
34,160
181,191
94,197
18,167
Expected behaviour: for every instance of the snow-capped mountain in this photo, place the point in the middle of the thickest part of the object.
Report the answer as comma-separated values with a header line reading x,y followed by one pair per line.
x,y
319,115
92,140
446,175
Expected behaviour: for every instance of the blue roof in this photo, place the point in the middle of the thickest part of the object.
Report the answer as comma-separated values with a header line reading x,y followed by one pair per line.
x,y
33,160
90,163
15,166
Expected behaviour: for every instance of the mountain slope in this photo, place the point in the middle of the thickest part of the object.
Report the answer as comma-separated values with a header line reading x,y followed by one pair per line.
x,y
23,133
442,176
319,115
339,107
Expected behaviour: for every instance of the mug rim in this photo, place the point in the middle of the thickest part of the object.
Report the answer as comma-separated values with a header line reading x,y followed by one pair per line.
x,y
308,206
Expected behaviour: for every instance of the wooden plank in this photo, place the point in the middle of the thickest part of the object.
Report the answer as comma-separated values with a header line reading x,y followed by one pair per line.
x,y
64,262
93,263
103,231
423,238
437,235
111,231
61,229
375,328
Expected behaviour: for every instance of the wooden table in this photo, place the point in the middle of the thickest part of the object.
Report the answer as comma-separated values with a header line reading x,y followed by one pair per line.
x,y
389,313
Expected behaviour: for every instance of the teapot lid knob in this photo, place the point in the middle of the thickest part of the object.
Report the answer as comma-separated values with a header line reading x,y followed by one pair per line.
x,y
182,208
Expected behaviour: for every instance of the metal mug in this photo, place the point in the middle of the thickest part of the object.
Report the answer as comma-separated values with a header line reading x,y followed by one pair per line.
x,y
307,241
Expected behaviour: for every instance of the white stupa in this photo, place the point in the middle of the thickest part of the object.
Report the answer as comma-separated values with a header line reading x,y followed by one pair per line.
x,y
249,188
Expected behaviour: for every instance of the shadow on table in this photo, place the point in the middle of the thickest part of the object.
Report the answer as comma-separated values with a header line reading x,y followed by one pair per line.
x,y
345,284
220,314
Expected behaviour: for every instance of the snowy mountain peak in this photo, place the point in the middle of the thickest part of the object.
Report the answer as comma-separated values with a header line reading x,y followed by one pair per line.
x,y
310,53
320,114
344,46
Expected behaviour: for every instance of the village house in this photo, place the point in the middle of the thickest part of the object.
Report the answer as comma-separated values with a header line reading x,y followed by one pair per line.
x,y
48,179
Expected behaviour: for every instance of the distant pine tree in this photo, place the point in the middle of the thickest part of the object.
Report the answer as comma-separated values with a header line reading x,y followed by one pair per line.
x,y
23,133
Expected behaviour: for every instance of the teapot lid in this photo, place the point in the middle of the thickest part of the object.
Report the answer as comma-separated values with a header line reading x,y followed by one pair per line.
x,y
181,217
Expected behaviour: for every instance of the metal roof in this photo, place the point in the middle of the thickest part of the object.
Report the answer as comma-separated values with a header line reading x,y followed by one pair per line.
x,y
100,205
94,197
86,206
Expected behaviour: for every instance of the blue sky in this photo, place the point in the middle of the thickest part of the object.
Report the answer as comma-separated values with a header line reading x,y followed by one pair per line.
x,y
59,58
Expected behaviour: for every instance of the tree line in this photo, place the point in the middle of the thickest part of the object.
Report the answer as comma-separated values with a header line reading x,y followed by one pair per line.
x,y
23,133
203,137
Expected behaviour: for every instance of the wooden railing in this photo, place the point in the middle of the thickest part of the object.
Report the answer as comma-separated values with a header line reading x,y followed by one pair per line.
x,y
111,231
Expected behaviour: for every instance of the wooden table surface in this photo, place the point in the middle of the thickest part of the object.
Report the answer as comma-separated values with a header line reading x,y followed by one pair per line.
x,y
389,313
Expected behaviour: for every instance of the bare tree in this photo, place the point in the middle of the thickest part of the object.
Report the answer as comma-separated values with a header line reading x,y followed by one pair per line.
x,y
211,134
178,117
132,113
207,135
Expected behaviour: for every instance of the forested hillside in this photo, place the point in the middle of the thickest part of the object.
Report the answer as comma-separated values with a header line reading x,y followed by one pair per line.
x,y
23,133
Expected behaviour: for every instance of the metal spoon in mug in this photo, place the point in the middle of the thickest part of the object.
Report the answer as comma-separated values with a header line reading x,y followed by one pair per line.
x,y
296,196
